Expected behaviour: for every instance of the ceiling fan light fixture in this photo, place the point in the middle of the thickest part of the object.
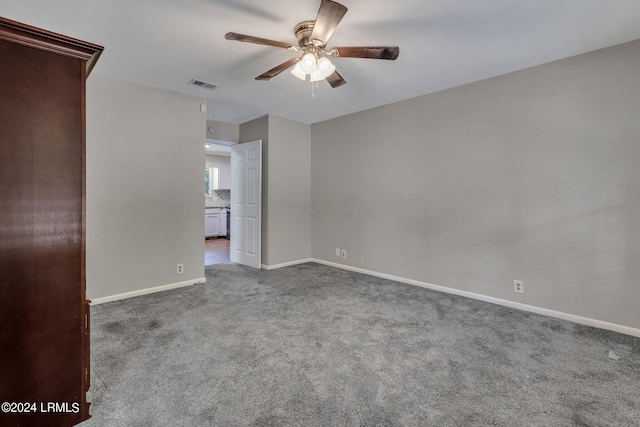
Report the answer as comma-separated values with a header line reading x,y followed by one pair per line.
x,y
316,75
312,41
308,63
297,71
325,67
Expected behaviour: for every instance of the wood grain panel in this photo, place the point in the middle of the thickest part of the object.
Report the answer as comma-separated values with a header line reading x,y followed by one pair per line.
x,y
43,312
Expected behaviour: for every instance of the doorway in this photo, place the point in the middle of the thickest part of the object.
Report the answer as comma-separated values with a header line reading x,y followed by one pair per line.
x,y
233,197
217,199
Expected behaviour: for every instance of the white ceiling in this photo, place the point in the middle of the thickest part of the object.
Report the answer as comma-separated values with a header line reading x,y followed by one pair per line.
x,y
443,43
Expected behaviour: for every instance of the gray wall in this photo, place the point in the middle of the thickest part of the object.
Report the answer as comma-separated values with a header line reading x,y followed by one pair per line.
x,y
286,187
532,175
289,191
223,131
145,157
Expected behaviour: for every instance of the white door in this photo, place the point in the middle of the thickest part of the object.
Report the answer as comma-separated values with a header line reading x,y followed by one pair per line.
x,y
246,193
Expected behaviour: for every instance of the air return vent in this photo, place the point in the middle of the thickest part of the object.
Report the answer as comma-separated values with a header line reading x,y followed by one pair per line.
x,y
203,84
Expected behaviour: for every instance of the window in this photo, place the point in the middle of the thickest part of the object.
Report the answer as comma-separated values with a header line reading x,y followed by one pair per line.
x,y
211,181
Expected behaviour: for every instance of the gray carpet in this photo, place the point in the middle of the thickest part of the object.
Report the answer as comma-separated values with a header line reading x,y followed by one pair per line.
x,y
311,345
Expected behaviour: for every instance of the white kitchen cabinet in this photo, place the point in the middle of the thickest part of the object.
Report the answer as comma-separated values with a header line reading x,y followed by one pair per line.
x,y
224,177
212,222
217,178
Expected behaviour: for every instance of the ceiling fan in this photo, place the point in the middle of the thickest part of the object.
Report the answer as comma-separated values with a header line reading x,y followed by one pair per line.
x,y
312,40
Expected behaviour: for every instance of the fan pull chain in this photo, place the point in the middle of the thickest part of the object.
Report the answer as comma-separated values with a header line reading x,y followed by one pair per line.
x,y
314,86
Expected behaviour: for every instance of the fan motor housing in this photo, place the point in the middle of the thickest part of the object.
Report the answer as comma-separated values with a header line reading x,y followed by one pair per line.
x,y
303,33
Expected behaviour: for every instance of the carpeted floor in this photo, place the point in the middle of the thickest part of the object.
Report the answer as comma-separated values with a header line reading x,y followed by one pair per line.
x,y
311,345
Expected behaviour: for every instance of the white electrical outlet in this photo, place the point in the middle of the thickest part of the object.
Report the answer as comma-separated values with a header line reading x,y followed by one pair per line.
x,y
343,254
518,286
338,252
180,269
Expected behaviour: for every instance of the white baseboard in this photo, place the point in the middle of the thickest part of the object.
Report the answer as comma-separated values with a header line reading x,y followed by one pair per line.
x,y
627,330
146,291
511,304
287,264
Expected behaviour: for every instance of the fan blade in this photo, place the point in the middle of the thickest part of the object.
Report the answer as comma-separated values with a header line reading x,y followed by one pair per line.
x,y
258,40
336,80
373,52
277,70
329,16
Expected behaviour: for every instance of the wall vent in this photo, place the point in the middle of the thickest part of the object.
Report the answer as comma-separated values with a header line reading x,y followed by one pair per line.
x,y
205,85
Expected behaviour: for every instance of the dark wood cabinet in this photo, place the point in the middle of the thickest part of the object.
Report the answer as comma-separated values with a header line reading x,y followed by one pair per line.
x,y
44,315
